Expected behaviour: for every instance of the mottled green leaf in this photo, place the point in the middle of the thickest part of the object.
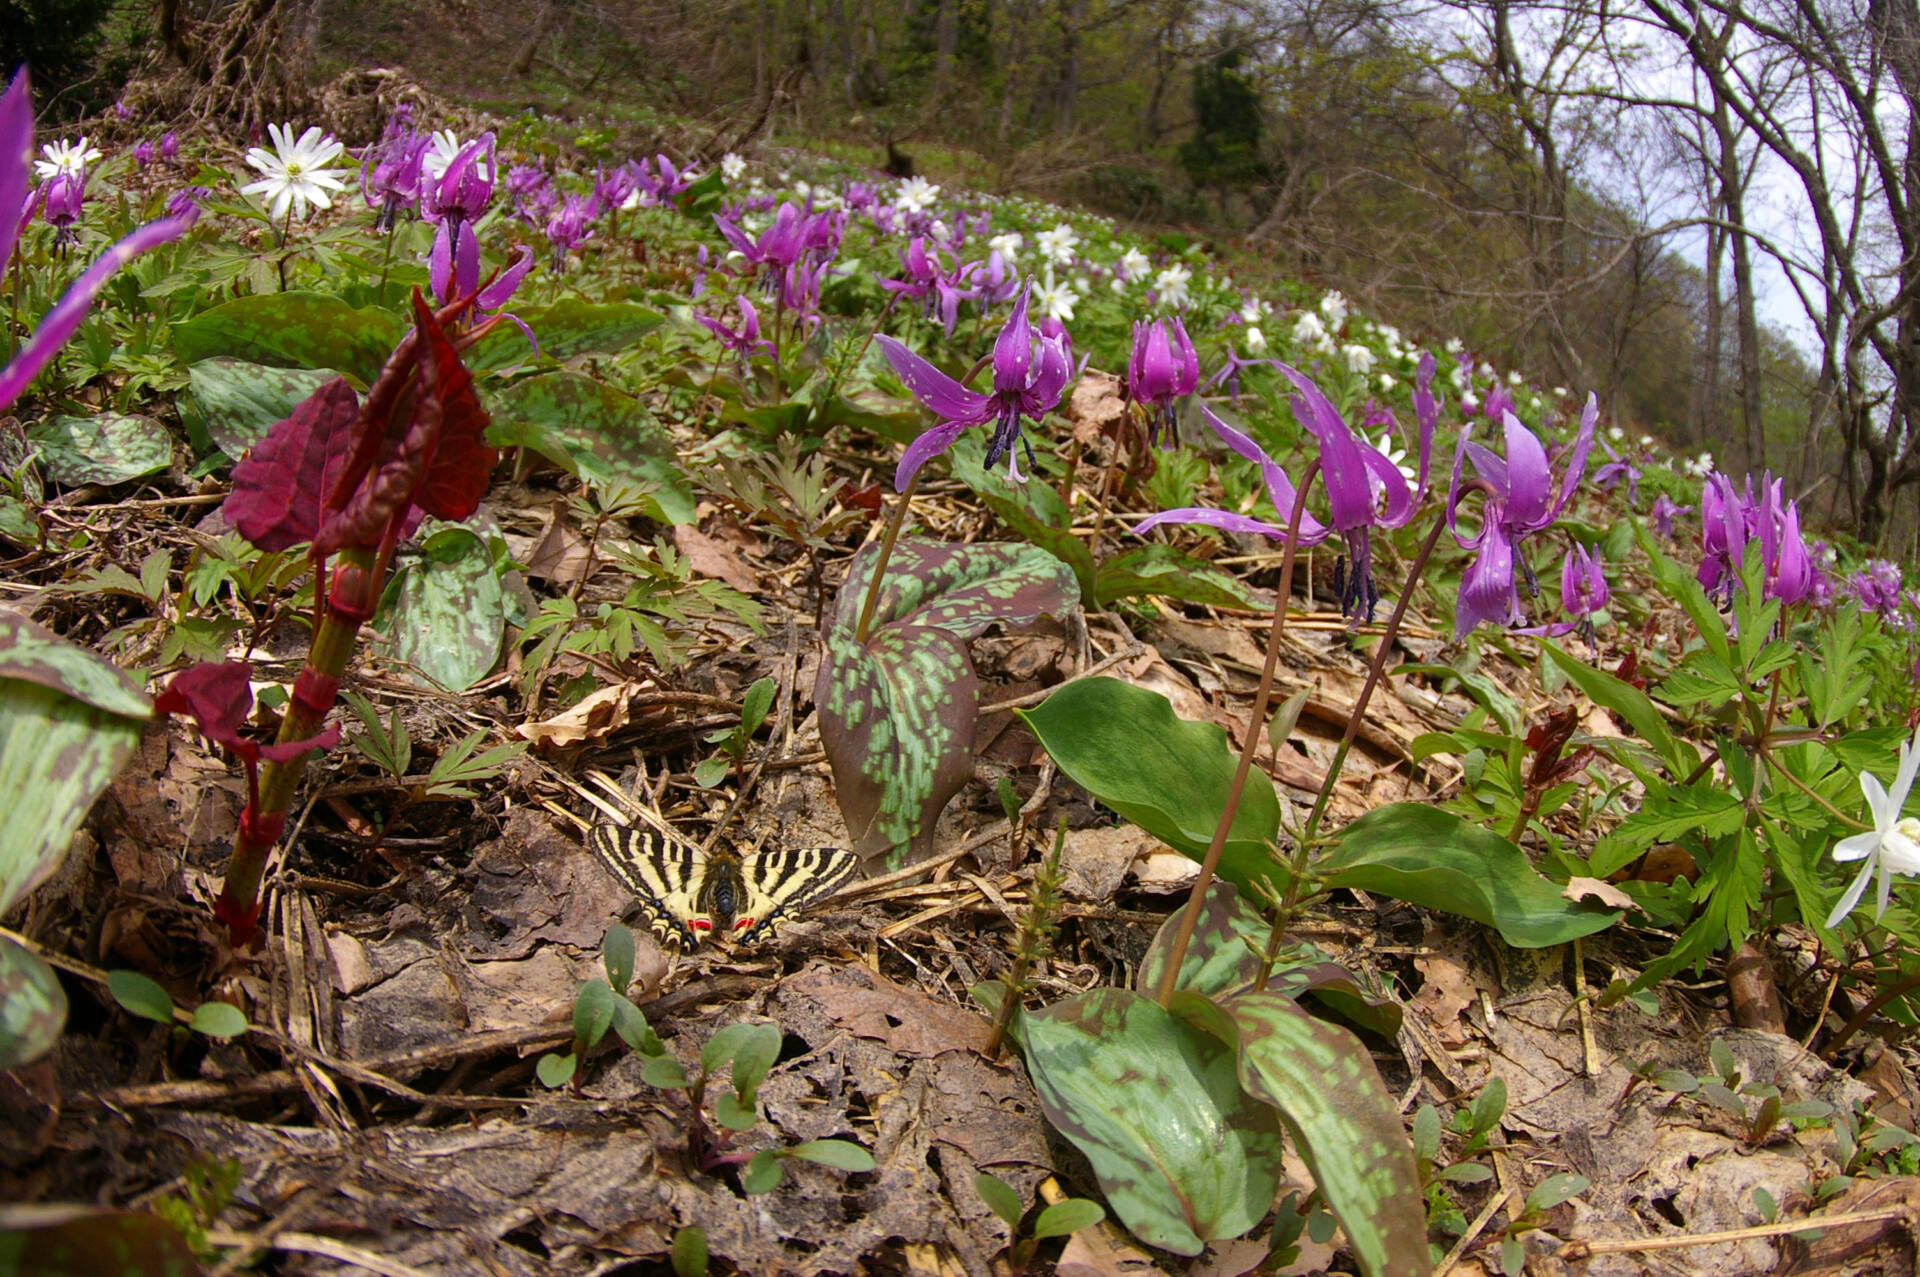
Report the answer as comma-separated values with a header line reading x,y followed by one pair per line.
x,y
219,1020
68,721
451,611
33,1006
239,402
956,587
1033,511
593,431
292,330
897,720
1125,746
1224,957
839,1154
109,448
140,995
80,1241
566,328
1165,571
1183,1156
1433,858
1346,1126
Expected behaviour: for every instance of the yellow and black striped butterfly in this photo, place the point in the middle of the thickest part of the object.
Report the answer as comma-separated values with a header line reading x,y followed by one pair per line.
x,y
691,895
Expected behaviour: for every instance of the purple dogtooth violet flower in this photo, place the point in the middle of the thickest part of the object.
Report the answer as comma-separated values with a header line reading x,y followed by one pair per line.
x,y
1665,511
143,153
1364,489
391,172
1161,369
934,279
58,325
169,147
1030,372
744,342
1731,519
1520,500
1583,586
454,200
62,199
1616,469
1876,588
569,224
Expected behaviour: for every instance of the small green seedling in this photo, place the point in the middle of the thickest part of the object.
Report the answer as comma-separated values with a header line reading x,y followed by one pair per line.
x,y
141,996
596,1008
1069,1215
733,743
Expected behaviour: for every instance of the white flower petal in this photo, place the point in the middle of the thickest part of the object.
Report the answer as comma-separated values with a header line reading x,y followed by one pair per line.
x,y
1852,897
1857,846
1878,801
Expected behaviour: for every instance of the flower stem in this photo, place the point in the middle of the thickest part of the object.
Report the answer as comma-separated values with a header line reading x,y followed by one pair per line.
x,y
1190,917
1297,867
886,552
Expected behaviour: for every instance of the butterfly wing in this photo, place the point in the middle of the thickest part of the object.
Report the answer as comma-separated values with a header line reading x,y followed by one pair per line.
x,y
664,872
780,884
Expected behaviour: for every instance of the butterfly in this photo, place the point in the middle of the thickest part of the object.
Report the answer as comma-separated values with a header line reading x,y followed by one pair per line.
x,y
690,895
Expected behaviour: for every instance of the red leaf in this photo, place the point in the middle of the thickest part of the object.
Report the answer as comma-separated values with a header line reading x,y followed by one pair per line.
x,y
459,465
217,697
439,463
279,487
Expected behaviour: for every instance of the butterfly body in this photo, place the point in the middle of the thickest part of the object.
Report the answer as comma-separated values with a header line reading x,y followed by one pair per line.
x,y
689,895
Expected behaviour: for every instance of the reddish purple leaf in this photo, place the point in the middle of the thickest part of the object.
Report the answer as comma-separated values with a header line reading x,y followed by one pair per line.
x,y
461,461
218,697
279,488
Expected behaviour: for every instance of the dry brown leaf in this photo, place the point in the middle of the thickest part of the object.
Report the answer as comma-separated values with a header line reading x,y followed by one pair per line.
x,y
1097,403
1578,889
714,558
560,554
597,716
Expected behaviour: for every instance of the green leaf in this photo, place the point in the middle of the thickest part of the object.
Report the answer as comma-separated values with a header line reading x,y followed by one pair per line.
x,y
1000,1198
960,588
724,1045
556,1071
451,612
1224,957
1555,1189
839,1154
735,1113
689,1253
616,951
758,1049
109,448
756,703
1032,511
33,1006
388,746
1164,571
1435,859
592,1012
219,1020
1704,809
1182,1155
709,772
1069,1216
292,330
763,1172
239,402
634,1029
664,1072
1346,1126
140,995
1630,703
1124,745
592,430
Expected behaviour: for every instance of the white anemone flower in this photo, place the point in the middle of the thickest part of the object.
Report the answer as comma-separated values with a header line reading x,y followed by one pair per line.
x,y
732,166
1250,312
1133,263
1513,378
1254,340
296,171
70,158
1359,358
1308,330
1055,301
1334,307
1057,245
916,195
1171,284
1892,846
1454,346
1008,244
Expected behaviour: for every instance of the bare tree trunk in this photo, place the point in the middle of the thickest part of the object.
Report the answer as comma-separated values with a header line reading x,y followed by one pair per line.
x,y
522,64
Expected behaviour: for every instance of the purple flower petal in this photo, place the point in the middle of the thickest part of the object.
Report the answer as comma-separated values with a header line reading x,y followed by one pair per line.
x,y
931,442
497,294
1280,489
16,146
948,399
1529,478
1343,468
1225,520
1487,592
